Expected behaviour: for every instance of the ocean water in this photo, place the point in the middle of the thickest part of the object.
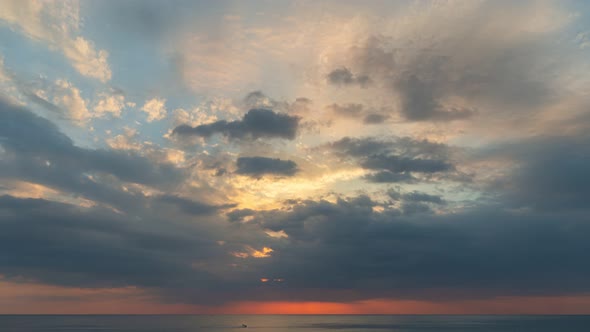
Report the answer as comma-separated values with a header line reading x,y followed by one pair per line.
x,y
294,323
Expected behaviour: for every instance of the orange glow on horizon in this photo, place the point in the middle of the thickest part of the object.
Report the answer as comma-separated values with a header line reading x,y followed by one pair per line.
x,y
502,305
30,298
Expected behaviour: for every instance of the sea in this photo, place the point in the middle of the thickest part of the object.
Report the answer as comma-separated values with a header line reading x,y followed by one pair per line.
x,y
292,323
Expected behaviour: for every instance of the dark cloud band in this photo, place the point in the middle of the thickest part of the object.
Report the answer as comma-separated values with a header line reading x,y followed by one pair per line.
x,y
257,123
259,166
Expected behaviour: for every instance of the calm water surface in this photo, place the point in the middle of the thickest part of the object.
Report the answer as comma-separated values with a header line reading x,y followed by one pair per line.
x,y
283,323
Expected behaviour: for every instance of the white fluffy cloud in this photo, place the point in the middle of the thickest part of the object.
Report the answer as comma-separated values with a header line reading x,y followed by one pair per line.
x,y
110,104
69,98
155,108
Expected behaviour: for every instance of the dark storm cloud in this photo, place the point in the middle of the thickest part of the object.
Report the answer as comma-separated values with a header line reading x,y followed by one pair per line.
x,y
91,247
360,147
395,159
397,164
34,150
423,197
402,146
170,257
28,137
257,123
416,197
127,238
337,251
530,239
389,177
550,173
375,118
260,166
240,214
419,101
343,76
480,252
167,255
415,202
191,207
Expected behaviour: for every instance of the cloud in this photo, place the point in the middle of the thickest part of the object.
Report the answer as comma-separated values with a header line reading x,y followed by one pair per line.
x,y
583,39
191,207
394,160
375,118
396,164
36,99
257,99
301,106
368,116
176,259
546,173
4,75
347,247
87,60
416,202
140,21
125,141
359,147
155,109
61,97
93,247
343,76
70,100
389,177
336,251
416,197
65,100
116,240
121,253
51,158
58,24
110,104
250,53
257,123
470,216
240,214
454,61
419,102
348,110
260,166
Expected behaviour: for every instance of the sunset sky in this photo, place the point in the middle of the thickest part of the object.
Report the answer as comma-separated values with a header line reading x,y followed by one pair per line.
x,y
294,156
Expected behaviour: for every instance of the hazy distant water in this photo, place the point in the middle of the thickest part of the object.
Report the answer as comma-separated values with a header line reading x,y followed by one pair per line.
x,y
283,323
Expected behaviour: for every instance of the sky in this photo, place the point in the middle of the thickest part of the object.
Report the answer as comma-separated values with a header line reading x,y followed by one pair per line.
x,y
294,156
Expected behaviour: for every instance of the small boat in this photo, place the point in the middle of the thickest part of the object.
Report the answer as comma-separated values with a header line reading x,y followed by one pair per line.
x,y
244,325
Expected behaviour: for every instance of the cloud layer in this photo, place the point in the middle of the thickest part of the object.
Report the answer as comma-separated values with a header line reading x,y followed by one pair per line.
x,y
258,166
212,156
257,123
